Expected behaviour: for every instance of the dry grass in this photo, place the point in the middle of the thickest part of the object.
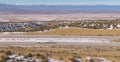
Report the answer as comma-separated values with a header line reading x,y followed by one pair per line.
x,y
73,31
69,51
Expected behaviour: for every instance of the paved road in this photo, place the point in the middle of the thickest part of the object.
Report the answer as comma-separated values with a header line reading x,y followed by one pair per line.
x,y
58,40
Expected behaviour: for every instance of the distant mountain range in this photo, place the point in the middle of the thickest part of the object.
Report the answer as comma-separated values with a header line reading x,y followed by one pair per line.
x,y
58,9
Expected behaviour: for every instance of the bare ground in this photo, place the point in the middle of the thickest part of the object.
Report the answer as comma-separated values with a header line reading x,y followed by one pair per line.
x,y
58,17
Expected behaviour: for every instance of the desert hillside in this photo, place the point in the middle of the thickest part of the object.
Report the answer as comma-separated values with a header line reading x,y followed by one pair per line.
x,y
73,31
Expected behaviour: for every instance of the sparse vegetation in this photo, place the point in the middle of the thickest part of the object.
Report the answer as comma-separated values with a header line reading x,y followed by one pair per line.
x,y
50,25
65,52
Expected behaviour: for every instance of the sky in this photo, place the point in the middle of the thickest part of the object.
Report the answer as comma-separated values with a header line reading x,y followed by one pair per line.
x,y
63,2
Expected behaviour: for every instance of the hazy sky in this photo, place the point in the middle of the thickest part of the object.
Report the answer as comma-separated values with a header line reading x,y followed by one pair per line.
x,y
65,2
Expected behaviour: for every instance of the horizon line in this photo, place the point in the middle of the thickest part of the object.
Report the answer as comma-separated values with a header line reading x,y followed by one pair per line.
x,y
61,4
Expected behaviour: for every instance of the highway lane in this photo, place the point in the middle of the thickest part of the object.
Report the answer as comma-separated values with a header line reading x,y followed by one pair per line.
x,y
23,40
36,44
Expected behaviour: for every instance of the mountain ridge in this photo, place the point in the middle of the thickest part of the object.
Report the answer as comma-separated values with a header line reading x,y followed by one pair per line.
x,y
58,9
